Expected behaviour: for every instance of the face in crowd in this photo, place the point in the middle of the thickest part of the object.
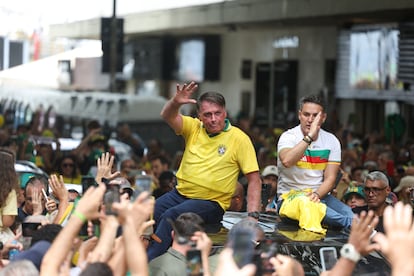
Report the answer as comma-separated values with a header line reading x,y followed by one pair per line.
x,y
355,200
32,188
68,167
157,167
307,115
212,112
376,192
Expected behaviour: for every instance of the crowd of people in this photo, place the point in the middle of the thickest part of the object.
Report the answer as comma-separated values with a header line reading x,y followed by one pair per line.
x,y
362,184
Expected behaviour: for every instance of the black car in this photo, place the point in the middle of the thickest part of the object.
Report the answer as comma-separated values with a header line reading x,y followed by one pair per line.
x,y
286,237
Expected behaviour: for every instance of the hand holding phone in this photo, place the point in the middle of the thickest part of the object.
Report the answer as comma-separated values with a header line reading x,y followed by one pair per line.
x,y
45,195
242,243
194,263
111,195
142,184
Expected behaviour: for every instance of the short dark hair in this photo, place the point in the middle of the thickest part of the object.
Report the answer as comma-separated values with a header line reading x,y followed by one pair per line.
x,y
163,159
212,97
187,224
165,178
94,124
358,168
97,268
316,99
34,179
47,232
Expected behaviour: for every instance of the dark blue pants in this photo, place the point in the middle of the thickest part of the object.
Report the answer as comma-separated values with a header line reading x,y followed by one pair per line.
x,y
171,205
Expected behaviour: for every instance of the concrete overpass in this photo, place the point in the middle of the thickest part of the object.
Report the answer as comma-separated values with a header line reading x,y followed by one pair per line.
x,y
248,29
246,14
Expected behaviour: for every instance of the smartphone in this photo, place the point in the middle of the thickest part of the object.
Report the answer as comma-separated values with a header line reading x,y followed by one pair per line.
x,y
242,243
328,256
45,195
111,195
142,184
265,194
28,228
194,262
88,181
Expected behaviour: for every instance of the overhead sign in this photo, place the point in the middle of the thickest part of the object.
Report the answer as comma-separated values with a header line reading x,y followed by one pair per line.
x,y
286,42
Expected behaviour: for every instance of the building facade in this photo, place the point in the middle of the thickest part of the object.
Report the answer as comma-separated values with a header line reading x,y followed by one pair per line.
x,y
263,55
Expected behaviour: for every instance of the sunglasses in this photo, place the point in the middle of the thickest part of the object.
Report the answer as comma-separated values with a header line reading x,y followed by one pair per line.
x,y
65,165
127,191
373,190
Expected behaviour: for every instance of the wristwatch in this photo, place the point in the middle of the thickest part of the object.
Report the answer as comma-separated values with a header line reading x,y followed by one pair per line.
x,y
348,251
105,180
255,215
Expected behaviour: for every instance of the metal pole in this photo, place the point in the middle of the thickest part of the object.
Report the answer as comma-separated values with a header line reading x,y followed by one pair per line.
x,y
271,93
113,59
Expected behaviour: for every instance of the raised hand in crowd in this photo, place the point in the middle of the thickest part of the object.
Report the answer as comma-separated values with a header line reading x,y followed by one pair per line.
x,y
360,238
103,250
134,219
61,193
226,265
104,167
86,247
286,266
58,187
397,244
86,209
204,244
50,205
361,232
37,201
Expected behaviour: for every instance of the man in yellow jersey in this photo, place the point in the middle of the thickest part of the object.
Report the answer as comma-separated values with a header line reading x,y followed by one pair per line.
x,y
214,155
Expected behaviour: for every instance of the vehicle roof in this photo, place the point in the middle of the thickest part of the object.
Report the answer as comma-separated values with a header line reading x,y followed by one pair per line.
x,y
24,166
290,239
26,169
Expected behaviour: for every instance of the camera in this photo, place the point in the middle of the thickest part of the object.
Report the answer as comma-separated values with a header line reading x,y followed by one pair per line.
x,y
29,227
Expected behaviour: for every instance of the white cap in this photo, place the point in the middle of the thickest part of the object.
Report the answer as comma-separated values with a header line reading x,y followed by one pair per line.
x,y
270,170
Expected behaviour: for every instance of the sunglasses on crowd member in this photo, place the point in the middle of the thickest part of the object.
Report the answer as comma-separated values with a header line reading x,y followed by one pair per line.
x,y
373,190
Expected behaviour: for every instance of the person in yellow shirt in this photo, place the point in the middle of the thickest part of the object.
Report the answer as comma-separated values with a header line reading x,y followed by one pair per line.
x,y
8,198
69,169
215,154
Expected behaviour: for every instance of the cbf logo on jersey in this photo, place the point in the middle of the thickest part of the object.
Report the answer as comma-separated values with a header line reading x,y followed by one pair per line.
x,y
221,150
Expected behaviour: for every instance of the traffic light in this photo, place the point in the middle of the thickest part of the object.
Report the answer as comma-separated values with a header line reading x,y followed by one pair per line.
x,y
106,44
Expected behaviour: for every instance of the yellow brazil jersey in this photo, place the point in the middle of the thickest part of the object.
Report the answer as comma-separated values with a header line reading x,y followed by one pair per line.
x,y
211,165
